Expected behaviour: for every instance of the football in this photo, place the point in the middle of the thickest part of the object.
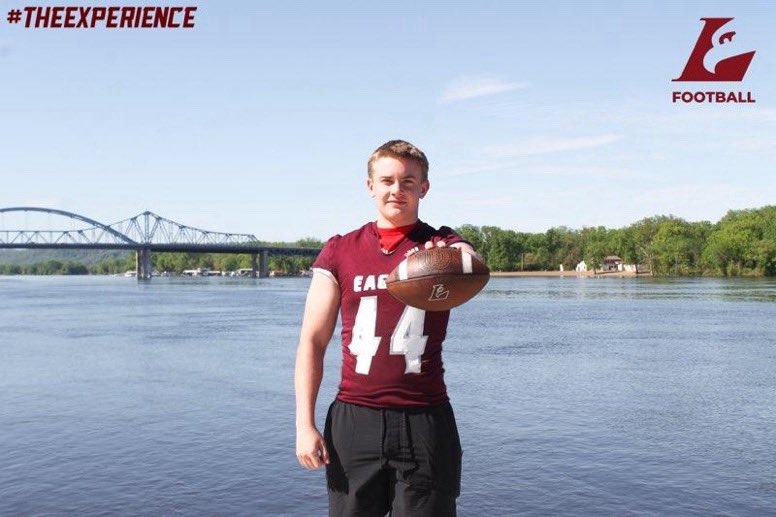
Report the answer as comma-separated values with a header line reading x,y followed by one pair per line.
x,y
438,279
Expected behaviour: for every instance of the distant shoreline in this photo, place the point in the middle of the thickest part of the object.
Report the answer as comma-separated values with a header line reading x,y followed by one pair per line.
x,y
507,274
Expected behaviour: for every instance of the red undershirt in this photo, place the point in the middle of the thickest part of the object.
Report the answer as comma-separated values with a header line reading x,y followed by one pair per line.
x,y
390,238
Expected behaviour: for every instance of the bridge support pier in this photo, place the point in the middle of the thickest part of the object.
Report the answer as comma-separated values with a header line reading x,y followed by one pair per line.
x,y
254,266
143,263
264,264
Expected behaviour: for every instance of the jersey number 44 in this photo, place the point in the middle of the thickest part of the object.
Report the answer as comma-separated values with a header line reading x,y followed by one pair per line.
x,y
407,339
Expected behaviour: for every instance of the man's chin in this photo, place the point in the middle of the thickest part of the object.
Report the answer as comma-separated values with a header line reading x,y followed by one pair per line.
x,y
399,217
392,213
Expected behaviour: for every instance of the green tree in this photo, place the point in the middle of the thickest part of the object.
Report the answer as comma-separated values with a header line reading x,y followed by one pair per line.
x,y
309,242
473,235
743,243
501,248
597,246
673,248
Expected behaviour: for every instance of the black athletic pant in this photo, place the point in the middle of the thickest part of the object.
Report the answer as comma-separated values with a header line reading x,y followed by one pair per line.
x,y
406,461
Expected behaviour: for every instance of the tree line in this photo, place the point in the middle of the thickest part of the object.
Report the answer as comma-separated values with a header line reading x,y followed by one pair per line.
x,y
47,267
742,243
171,262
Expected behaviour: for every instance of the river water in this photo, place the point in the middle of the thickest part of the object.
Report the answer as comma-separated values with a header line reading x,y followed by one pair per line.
x,y
574,396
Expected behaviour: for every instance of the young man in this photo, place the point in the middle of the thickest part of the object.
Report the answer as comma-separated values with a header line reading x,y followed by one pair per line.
x,y
390,441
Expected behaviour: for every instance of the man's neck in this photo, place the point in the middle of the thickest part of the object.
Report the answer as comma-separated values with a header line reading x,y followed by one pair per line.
x,y
385,223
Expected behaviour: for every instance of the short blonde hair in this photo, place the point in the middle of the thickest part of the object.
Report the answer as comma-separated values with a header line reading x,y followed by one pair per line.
x,y
400,149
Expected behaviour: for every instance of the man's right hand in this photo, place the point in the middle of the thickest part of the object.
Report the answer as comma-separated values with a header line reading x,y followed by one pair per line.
x,y
311,448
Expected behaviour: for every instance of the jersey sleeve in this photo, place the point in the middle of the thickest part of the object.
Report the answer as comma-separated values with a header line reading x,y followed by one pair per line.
x,y
326,262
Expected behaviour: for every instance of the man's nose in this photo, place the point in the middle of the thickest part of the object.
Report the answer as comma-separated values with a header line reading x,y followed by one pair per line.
x,y
395,187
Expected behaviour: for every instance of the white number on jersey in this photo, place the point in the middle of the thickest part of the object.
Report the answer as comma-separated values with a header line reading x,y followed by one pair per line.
x,y
364,343
407,339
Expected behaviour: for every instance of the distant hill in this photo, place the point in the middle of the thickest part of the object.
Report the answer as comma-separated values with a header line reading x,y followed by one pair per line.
x,y
85,257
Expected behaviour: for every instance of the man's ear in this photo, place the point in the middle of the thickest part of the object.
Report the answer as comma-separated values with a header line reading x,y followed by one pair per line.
x,y
424,188
369,187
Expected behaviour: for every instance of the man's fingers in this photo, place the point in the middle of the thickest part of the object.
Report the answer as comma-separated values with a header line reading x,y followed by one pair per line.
x,y
314,460
324,454
430,244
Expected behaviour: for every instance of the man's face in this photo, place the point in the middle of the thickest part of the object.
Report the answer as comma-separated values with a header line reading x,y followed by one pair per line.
x,y
397,188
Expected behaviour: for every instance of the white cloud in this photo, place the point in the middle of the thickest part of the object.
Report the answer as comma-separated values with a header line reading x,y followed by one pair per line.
x,y
690,201
521,168
486,201
469,87
700,196
545,145
713,118
479,168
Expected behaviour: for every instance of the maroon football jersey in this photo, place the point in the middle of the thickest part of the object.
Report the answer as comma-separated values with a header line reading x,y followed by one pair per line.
x,y
391,352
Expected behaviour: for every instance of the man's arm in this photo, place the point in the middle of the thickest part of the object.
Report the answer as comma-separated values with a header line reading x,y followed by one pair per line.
x,y
320,318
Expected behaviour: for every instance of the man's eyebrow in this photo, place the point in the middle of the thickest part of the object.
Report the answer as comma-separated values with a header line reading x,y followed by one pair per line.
x,y
391,177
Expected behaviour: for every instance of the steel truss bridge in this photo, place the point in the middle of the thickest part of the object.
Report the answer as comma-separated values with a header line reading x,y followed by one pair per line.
x,y
143,233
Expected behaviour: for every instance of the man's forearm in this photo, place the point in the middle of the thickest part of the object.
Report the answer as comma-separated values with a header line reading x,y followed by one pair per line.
x,y
307,382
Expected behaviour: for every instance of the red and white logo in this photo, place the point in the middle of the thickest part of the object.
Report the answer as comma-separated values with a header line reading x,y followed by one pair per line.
x,y
729,69
710,61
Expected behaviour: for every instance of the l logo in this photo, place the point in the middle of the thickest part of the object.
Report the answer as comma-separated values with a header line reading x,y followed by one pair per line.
x,y
729,69
438,293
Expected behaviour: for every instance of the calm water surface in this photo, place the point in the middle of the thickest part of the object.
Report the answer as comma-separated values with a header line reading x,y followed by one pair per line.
x,y
573,396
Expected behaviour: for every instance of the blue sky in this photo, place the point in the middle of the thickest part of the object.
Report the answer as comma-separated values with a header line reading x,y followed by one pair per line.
x,y
260,119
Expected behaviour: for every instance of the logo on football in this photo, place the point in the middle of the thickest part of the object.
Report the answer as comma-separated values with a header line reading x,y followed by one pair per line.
x,y
439,293
438,279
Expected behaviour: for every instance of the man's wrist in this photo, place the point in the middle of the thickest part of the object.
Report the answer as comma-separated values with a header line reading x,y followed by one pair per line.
x,y
305,425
